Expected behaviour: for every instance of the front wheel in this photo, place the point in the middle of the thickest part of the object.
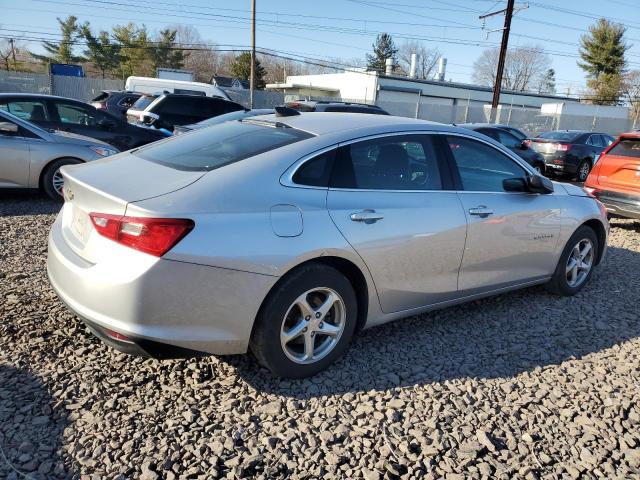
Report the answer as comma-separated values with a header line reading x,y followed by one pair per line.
x,y
52,181
576,263
306,322
583,170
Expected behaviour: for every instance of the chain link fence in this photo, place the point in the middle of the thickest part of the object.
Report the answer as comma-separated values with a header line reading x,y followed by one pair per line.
x,y
527,119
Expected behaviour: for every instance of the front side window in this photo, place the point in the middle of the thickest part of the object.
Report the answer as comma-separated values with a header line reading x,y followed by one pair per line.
x,y
508,140
482,168
72,114
399,162
214,147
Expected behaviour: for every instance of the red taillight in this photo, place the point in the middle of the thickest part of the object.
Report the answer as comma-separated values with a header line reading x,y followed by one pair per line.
x,y
116,336
562,147
527,142
155,236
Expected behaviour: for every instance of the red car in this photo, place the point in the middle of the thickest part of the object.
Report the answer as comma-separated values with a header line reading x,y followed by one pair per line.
x,y
615,178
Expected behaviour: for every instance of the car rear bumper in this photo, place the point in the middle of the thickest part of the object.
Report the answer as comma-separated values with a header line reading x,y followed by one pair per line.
x,y
164,308
560,165
622,204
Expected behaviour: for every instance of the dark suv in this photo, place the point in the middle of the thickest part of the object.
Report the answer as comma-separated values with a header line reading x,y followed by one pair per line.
x,y
59,113
167,110
116,102
325,106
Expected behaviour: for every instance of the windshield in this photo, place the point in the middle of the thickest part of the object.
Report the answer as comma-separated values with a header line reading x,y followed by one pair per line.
x,y
143,102
559,135
220,145
23,123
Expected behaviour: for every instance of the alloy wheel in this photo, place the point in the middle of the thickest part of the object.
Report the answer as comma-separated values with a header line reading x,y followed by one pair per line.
x,y
58,181
584,172
313,325
579,263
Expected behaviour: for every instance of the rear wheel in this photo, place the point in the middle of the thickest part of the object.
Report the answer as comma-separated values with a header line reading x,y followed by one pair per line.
x,y
306,323
576,263
52,181
583,170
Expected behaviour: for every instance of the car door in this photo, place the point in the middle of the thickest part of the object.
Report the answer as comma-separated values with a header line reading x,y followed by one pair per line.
x,y
14,157
391,199
82,119
512,236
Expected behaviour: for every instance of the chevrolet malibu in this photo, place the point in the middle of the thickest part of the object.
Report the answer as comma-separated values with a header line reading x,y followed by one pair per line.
x,y
286,234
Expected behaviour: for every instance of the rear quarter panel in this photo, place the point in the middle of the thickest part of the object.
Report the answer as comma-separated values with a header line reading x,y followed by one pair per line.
x,y
43,153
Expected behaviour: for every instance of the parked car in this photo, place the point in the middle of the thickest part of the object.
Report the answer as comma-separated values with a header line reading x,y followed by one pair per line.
x,y
326,106
31,157
518,146
58,113
519,134
116,102
287,233
225,117
151,85
571,152
615,180
165,111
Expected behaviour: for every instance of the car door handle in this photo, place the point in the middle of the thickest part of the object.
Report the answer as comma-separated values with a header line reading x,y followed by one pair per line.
x,y
481,211
366,216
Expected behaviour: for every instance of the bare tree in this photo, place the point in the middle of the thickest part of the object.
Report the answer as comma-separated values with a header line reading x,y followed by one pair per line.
x,y
631,93
524,69
202,59
427,58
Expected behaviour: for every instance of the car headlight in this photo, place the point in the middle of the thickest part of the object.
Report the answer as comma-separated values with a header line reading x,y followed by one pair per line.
x,y
103,151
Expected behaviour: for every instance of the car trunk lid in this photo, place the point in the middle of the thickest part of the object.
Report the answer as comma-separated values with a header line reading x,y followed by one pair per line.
x,y
99,187
548,146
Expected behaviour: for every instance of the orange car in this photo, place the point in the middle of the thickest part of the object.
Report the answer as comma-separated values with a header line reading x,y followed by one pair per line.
x,y
615,178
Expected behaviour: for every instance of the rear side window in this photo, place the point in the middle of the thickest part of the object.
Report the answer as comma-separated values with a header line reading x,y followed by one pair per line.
x,y
626,148
143,102
317,171
397,162
219,107
210,148
127,102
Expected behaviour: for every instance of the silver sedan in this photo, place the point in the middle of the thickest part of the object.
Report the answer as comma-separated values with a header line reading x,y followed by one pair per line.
x,y
286,234
31,157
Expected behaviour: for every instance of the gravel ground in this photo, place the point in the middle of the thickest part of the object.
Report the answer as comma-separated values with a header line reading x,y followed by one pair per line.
x,y
524,385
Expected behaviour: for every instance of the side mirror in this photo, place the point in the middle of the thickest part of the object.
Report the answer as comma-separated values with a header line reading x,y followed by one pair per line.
x,y
515,185
8,128
539,184
148,118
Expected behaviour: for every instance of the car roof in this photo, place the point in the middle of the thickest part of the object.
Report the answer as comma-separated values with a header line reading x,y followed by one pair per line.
x,y
322,123
331,102
38,95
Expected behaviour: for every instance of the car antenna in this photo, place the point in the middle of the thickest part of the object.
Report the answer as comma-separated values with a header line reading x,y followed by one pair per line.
x,y
283,111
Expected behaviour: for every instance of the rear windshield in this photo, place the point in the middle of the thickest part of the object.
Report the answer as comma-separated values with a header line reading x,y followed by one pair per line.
x,y
143,102
626,148
220,145
562,136
101,97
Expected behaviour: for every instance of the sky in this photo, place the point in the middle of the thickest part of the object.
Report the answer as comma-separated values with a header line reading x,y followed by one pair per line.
x,y
347,28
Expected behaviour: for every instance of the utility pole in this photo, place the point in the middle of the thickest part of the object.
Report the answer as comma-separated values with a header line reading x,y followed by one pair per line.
x,y
503,51
13,53
252,79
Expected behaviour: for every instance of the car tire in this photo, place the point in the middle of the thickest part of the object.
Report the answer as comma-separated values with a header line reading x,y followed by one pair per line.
x,y
286,330
50,179
583,170
573,261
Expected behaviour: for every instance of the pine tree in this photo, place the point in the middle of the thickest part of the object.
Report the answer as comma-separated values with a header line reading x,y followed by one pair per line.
x,y
101,51
62,51
241,69
383,48
602,53
164,53
134,50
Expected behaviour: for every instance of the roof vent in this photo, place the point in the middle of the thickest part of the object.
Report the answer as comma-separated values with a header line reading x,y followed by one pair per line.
x,y
286,112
